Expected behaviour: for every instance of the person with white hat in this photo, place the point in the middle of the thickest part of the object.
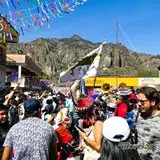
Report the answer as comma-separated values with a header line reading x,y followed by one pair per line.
x,y
116,134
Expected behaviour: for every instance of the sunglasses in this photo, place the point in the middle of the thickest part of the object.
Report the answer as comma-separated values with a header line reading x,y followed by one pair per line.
x,y
143,101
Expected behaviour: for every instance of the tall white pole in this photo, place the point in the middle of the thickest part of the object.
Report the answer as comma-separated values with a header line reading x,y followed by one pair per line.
x,y
19,71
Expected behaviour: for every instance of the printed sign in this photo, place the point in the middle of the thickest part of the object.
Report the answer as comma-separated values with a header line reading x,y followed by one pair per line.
x,y
147,81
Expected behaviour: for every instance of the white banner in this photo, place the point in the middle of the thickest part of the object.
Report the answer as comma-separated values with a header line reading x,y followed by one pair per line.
x,y
92,71
81,68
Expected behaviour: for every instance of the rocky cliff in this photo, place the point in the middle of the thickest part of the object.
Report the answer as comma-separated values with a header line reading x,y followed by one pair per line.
x,y
55,55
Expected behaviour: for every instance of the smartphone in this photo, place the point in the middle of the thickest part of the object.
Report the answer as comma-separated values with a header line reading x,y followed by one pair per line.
x,y
79,128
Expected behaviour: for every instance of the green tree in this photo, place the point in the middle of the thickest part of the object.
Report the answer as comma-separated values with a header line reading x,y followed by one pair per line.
x,y
147,72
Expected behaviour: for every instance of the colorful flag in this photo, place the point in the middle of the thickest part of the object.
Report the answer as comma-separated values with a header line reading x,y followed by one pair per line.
x,y
83,68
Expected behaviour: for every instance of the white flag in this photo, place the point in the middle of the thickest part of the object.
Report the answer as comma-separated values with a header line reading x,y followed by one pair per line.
x,y
86,67
92,71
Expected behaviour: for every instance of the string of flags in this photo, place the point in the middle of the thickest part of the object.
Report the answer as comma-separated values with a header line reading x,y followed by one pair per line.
x,y
25,15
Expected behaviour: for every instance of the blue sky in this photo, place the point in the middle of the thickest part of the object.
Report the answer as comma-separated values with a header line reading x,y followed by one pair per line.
x,y
95,20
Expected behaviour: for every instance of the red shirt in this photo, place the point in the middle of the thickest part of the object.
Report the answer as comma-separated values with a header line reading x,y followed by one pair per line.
x,y
121,110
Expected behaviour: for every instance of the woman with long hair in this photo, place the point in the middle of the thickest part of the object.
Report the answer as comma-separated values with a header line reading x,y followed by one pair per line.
x,y
93,140
116,144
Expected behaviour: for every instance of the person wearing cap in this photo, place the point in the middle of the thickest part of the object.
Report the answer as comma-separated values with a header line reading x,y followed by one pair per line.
x,y
108,106
121,107
148,123
116,145
4,126
31,138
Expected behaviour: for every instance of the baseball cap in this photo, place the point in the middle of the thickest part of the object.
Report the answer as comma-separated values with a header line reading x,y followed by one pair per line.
x,y
31,105
116,129
119,97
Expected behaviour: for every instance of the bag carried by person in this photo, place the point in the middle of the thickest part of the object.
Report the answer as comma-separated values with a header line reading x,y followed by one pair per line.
x,y
64,136
134,131
130,119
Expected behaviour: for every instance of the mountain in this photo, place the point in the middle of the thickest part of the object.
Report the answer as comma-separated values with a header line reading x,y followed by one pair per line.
x,y
55,55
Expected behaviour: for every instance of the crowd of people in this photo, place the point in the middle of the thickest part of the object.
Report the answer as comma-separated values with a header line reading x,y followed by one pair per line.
x,y
120,124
